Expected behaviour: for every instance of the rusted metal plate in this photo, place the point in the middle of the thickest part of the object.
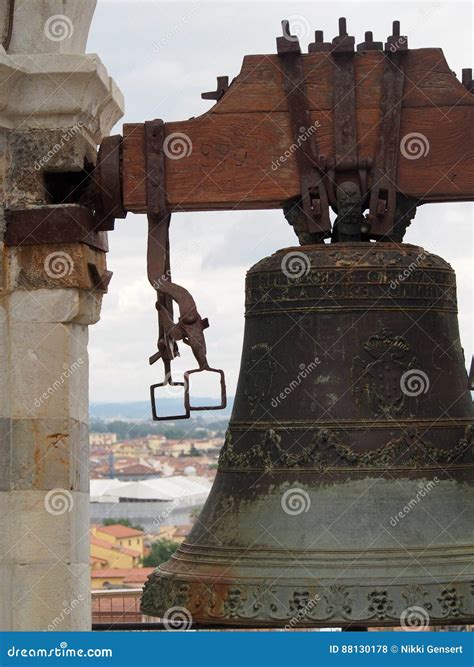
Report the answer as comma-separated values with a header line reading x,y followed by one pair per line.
x,y
345,118
384,185
314,199
108,181
100,281
54,224
219,92
155,169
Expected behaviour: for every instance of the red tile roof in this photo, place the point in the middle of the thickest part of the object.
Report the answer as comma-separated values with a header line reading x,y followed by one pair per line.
x,y
109,573
138,575
118,530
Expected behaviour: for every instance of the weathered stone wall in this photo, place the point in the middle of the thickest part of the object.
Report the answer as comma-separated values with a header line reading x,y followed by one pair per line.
x,y
57,106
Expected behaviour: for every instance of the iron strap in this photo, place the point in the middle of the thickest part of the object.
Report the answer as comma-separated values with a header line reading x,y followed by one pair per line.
x,y
190,326
347,179
67,223
346,160
345,126
159,216
344,101
384,190
313,192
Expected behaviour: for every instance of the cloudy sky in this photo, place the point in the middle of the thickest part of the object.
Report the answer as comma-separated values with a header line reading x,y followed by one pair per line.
x,y
163,55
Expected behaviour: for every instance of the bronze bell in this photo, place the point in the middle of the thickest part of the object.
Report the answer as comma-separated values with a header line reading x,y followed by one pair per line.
x,y
342,496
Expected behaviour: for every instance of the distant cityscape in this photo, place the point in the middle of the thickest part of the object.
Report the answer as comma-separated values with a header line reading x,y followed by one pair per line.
x,y
149,481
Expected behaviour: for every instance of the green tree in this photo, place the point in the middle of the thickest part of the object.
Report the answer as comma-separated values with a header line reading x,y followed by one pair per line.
x,y
160,552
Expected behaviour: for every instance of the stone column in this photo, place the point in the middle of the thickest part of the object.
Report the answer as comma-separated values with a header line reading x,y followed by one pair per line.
x,y
57,104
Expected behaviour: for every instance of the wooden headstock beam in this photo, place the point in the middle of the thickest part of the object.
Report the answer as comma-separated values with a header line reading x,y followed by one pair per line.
x,y
239,155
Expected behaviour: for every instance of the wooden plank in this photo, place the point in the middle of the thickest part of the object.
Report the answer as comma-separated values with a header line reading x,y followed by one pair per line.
x,y
428,82
133,167
446,171
246,161
242,154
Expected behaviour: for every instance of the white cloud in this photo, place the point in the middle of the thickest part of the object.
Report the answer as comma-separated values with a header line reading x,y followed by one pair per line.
x,y
212,251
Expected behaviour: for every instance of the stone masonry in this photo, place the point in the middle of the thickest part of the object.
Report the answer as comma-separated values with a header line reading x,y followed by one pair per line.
x,y
57,105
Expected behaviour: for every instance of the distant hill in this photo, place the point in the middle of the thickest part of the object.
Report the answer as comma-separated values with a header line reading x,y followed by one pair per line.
x,y
141,410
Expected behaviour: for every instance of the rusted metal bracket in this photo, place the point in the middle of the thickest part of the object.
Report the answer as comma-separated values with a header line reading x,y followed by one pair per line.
x,y
344,103
100,281
319,45
168,382
219,92
314,197
347,167
349,174
107,177
190,326
368,44
67,223
159,217
467,80
73,223
343,43
396,42
381,217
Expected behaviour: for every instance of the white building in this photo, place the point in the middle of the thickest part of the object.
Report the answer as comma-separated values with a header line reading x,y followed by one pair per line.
x,y
102,438
148,503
